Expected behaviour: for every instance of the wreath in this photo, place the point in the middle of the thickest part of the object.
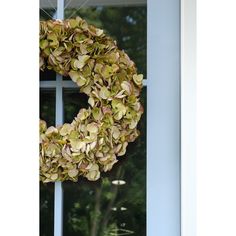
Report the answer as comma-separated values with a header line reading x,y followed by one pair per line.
x,y
101,133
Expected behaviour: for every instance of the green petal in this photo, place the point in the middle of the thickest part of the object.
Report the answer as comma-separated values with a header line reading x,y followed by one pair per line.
x,y
43,44
73,173
104,93
54,177
92,128
138,79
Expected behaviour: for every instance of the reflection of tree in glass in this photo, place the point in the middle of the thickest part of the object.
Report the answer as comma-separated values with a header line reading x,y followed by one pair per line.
x,y
73,102
102,208
47,106
127,25
46,209
47,13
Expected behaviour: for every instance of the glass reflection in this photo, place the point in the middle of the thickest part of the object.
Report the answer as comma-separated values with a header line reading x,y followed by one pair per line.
x,y
47,113
103,208
73,102
47,13
46,209
47,75
47,106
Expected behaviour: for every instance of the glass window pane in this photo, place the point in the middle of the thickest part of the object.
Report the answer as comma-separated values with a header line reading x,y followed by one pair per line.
x,y
47,13
104,207
46,209
66,78
47,106
73,102
47,9
47,75
47,113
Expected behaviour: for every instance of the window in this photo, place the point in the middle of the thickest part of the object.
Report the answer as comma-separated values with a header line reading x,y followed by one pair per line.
x,y
116,204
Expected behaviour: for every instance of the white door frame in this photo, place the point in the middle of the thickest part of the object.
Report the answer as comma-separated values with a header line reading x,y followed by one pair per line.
x,y
171,66
163,118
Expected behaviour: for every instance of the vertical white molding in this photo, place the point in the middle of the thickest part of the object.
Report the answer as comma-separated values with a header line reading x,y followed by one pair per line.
x,y
58,209
60,9
163,118
188,120
58,193
59,100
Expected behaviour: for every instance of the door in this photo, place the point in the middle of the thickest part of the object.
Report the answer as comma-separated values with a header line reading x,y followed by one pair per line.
x,y
141,195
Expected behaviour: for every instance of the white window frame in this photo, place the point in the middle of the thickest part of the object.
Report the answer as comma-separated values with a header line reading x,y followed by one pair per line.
x,y
170,119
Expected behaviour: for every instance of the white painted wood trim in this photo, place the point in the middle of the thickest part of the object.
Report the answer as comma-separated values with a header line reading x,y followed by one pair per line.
x,y
163,118
58,192
188,117
58,209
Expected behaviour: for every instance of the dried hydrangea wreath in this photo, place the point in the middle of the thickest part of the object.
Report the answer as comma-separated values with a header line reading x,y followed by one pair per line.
x,y
94,139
